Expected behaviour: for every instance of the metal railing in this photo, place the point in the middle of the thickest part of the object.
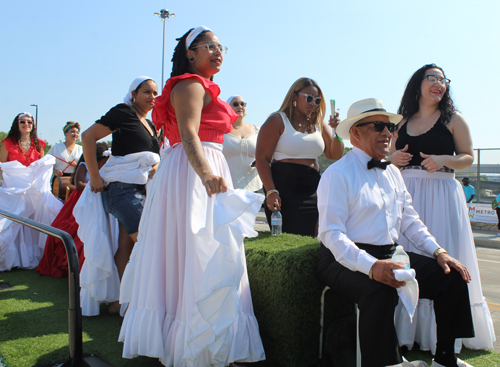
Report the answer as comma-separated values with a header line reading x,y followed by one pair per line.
x,y
479,172
74,311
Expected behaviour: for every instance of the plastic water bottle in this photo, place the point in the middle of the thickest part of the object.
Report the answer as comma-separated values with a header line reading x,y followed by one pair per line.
x,y
276,222
400,256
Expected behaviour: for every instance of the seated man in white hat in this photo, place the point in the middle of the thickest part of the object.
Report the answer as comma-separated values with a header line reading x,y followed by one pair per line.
x,y
363,209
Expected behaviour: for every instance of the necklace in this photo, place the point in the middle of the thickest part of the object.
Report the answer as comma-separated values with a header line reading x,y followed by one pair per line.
x,y
25,145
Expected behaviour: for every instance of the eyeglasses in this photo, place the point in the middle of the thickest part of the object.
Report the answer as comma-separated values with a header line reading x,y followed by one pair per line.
x,y
236,104
24,122
213,48
380,126
437,79
310,98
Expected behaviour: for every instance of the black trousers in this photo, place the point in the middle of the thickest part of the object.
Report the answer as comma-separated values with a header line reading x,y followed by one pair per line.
x,y
377,301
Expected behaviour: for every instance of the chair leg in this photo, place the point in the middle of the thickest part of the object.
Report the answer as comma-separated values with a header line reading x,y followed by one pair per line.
x,y
358,348
322,321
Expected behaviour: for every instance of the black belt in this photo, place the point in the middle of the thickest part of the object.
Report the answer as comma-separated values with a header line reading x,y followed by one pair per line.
x,y
382,252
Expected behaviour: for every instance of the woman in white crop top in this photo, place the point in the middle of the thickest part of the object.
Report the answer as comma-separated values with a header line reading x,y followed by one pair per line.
x,y
239,149
288,145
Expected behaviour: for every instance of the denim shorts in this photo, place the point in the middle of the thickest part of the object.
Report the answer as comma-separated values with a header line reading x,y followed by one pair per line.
x,y
125,202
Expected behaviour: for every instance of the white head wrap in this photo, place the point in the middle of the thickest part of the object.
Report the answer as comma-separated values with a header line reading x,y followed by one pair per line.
x,y
25,114
194,33
106,153
133,86
231,98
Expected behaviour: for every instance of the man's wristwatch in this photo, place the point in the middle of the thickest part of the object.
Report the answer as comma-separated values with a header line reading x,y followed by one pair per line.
x,y
370,273
438,252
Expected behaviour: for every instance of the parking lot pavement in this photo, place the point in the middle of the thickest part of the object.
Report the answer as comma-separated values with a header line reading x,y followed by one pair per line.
x,y
489,267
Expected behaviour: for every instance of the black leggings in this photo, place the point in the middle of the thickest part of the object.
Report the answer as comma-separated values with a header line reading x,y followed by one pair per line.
x,y
498,216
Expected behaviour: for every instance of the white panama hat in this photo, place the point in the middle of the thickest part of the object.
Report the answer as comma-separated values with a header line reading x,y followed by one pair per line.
x,y
360,110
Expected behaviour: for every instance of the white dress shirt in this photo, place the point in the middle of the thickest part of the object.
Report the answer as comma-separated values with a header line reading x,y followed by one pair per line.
x,y
61,152
366,206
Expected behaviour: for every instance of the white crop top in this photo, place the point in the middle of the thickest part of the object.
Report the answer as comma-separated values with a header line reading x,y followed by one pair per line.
x,y
296,145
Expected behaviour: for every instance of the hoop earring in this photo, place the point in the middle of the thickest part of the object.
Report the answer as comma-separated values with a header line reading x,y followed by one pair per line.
x,y
294,104
191,59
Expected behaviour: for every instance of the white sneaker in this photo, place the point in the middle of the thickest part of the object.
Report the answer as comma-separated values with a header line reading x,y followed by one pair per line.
x,y
460,363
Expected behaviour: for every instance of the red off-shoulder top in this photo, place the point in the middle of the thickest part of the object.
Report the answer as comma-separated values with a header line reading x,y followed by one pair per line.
x,y
217,117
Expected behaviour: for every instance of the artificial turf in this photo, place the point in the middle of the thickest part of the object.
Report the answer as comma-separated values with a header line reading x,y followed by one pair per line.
x,y
34,314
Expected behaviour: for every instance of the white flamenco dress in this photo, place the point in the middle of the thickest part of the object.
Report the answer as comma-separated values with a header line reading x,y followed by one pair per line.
x,y
440,202
99,279
186,282
26,192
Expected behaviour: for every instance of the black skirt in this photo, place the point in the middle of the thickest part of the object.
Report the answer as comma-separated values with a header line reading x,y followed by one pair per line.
x,y
297,185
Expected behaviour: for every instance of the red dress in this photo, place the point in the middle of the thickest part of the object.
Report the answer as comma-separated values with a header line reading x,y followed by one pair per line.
x,y
17,154
54,261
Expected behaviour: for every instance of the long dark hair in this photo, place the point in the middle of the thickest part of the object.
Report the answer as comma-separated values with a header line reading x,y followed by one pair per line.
x,y
15,134
180,62
409,102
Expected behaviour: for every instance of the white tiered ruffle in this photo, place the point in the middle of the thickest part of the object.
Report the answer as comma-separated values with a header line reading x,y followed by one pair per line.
x,y
26,192
440,201
186,282
99,231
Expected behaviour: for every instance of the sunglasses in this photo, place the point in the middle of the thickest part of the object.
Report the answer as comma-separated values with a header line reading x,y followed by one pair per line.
x,y
380,126
24,122
310,98
236,104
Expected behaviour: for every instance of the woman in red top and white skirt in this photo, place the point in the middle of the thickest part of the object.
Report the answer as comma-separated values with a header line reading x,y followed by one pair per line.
x,y
186,282
25,192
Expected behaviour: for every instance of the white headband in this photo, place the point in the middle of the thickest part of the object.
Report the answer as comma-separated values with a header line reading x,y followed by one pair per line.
x,y
133,86
25,114
106,153
231,98
194,33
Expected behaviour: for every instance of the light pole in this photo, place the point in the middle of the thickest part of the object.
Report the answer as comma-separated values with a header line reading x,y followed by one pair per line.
x,y
164,14
36,117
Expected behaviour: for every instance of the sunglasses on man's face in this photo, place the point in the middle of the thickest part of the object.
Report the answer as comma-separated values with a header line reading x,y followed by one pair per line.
x,y
236,104
310,98
380,126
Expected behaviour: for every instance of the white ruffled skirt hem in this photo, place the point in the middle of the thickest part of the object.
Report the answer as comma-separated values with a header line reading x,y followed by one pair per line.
x,y
440,202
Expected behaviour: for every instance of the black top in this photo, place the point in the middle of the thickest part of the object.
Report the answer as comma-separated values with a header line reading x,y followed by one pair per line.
x,y
437,141
131,136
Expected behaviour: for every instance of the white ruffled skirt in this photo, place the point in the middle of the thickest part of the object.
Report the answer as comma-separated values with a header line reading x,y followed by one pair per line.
x,y
440,201
186,282
26,192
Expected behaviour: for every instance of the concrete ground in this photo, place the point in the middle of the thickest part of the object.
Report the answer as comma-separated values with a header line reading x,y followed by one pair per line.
x,y
488,258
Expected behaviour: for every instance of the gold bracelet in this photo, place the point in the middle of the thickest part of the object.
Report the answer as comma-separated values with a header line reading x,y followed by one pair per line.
x,y
370,273
438,252
272,191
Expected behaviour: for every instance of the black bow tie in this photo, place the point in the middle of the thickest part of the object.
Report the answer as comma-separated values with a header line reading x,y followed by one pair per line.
x,y
378,164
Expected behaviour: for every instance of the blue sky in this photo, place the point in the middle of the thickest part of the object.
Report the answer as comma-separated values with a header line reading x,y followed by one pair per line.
x,y
76,60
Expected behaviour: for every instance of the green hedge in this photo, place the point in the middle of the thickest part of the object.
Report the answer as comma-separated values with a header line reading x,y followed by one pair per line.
x,y
286,298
